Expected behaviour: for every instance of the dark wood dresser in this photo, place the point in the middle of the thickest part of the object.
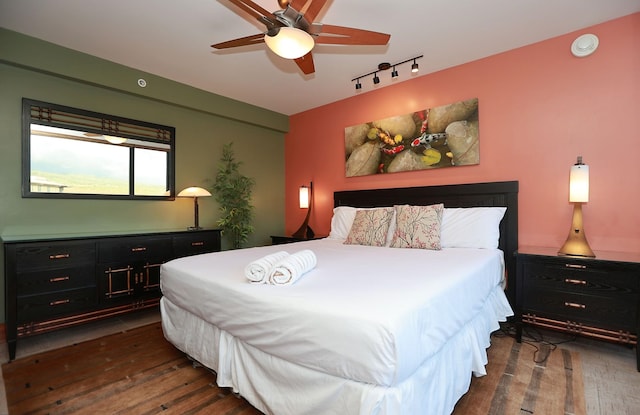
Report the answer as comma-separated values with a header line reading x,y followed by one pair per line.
x,y
56,282
596,297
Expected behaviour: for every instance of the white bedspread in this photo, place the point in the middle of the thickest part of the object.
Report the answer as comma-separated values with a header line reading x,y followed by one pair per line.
x,y
370,314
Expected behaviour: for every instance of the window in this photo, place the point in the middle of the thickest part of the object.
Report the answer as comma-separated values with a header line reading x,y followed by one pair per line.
x,y
73,153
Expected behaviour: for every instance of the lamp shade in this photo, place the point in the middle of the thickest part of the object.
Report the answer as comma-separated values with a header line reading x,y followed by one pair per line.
x,y
194,192
304,197
289,42
579,183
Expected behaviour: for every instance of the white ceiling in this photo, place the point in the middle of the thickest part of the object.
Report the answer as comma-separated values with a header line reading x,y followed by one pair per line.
x,y
172,38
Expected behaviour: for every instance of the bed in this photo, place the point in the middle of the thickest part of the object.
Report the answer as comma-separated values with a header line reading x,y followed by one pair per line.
x,y
370,329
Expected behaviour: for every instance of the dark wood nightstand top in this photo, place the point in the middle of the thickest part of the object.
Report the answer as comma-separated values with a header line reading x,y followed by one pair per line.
x,y
632,257
281,239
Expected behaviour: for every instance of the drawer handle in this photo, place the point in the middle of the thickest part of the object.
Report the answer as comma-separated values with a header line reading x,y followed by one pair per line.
x,y
59,256
197,243
575,305
59,302
141,249
59,279
578,266
109,271
572,281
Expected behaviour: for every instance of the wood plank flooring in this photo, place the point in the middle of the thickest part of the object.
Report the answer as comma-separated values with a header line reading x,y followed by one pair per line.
x,y
611,382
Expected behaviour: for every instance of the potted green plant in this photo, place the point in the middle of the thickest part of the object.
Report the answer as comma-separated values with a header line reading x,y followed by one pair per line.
x,y
232,190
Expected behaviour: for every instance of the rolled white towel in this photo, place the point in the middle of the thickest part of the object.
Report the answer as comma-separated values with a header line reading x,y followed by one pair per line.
x,y
289,269
258,271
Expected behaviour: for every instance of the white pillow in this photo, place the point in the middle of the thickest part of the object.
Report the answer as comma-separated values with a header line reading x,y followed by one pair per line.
x,y
471,227
342,220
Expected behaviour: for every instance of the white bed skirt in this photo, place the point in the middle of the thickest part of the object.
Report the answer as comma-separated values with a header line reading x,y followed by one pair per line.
x,y
276,386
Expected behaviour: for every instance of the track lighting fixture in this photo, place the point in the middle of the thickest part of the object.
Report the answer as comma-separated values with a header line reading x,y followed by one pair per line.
x,y
383,67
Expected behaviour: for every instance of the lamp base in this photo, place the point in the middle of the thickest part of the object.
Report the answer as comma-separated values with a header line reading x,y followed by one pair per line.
x,y
304,233
194,228
576,243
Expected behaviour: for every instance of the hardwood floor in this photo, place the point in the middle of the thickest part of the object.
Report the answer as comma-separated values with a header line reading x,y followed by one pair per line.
x,y
612,384
611,381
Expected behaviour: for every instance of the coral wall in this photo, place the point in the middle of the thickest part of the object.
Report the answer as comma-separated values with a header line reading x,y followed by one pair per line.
x,y
539,108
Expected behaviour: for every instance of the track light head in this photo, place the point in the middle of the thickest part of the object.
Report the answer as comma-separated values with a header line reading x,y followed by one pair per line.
x,y
394,73
358,85
376,80
414,67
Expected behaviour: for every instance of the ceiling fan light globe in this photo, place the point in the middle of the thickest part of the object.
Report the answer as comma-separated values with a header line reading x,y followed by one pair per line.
x,y
290,43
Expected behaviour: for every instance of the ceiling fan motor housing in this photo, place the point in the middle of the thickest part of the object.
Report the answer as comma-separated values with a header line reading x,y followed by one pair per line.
x,y
292,18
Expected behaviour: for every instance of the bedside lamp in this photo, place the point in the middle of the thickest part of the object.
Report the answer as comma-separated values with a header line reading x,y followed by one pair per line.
x,y
195,193
305,194
576,243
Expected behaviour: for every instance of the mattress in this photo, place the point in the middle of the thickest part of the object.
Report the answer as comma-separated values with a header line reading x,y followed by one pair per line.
x,y
371,315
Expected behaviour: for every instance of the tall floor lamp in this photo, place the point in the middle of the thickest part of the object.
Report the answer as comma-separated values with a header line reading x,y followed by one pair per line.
x,y
195,193
305,195
576,243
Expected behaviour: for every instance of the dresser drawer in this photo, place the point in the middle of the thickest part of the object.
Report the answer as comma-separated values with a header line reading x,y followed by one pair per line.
x,y
55,279
134,248
34,307
617,313
54,254
196,243
580,279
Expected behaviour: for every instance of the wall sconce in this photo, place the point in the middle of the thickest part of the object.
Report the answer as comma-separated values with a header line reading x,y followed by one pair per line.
x,y
195,193
305,195
576,243
383,67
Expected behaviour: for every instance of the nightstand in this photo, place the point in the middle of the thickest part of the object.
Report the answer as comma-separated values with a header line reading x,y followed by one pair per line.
x,y
277,240
595,297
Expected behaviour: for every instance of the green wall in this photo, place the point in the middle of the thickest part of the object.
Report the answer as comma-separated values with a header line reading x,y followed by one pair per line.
x,y
204,122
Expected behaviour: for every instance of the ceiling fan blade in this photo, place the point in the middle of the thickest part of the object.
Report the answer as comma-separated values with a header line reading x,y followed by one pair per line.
x,y
298,5
264,16
313,9
340,35
243,41
305,63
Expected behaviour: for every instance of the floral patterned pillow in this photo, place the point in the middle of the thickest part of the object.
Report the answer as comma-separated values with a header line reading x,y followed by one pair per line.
x,y
370,227
418,227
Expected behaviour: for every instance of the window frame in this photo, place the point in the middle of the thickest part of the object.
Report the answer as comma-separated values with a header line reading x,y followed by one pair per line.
x,y
90,122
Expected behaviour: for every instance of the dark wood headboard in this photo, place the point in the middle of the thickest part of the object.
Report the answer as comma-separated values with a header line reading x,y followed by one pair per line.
x,y
456,195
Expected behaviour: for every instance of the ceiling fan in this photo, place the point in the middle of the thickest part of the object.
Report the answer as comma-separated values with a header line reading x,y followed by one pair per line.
x,y
292,33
